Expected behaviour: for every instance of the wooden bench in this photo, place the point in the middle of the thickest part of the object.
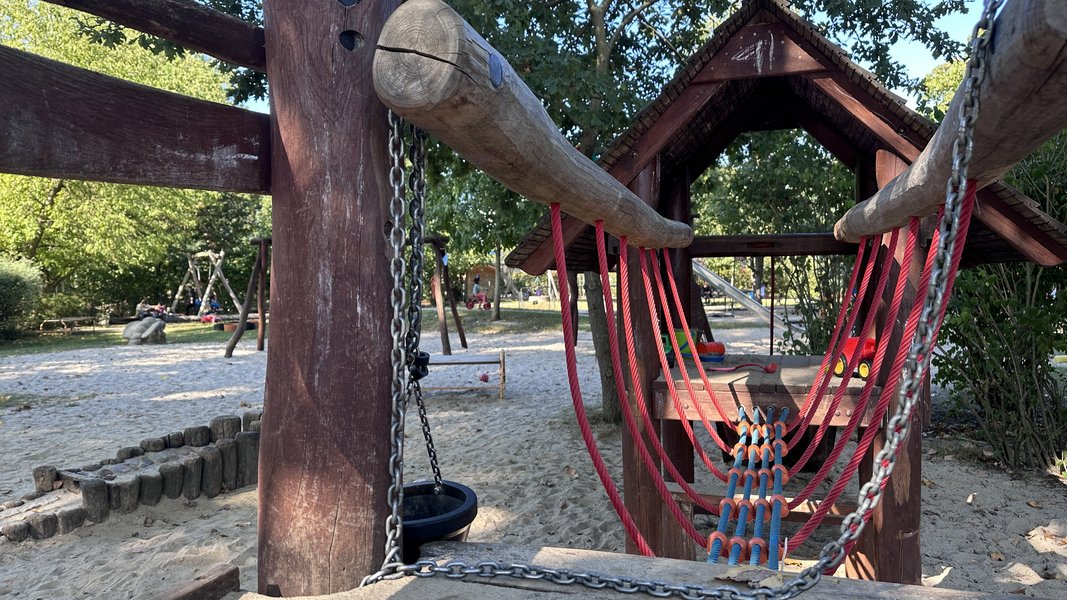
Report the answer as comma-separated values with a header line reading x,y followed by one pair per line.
x,y
67,324
469,359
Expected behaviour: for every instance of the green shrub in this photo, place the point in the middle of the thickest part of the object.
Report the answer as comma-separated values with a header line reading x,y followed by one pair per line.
x,y
54,306
20,288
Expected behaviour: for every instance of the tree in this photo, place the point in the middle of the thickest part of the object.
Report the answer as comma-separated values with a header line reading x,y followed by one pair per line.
x,y
1004,321
790,184
103,242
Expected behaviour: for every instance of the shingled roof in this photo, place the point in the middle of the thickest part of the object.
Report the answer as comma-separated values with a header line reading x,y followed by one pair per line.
x,y
822,91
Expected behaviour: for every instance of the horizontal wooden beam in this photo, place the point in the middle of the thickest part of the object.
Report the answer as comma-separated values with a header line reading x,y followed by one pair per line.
x,y
1023,103
837,87
788,244
1024,236
433,69
65,122
187,23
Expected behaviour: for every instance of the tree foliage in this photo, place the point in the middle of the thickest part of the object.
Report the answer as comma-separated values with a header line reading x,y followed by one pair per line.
x,y
108,243
783,182
1004,321
20,288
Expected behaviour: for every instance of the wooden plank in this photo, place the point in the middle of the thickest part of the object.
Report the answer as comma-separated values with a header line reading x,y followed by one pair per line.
x,y
835,87
708,576
432,68
800,514
324,468
788,244
186,23
64,122
1023,104
1023,235
759,50
214,584
788,387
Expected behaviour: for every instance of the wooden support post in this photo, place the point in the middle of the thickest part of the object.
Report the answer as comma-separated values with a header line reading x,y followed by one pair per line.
x,y
324,453
889,549
264,264
674,203
638,491
452,303
178,292
439,301
245,308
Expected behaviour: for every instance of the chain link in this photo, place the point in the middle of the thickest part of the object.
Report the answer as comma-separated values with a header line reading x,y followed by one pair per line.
x,y
398,356
417,184
916,365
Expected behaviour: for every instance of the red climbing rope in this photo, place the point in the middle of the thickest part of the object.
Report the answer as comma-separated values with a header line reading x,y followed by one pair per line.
x,y
576,392
686,426
850,365
680,360
639,395
815,395
620,389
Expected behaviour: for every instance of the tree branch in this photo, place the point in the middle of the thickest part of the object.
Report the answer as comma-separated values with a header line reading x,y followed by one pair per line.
x,y
630,16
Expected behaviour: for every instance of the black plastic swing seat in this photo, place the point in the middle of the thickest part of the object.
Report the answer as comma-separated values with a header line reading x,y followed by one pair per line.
x,y
430,517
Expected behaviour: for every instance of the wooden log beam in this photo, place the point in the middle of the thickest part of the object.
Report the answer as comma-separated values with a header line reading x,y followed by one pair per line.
x,y
432,68
64,122
1026,237
1023,104
788,244
187,23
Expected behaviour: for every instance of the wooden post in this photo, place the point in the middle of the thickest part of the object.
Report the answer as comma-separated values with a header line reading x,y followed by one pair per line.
x,y
674,203
439,301
888,549
261,329
324,453
638,491
452,300
244,308
1023,104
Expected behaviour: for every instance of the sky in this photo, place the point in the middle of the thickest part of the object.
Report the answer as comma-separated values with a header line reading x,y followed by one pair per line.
x,y
917,59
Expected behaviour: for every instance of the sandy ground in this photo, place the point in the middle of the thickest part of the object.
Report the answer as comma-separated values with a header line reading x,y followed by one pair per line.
x,y
983,528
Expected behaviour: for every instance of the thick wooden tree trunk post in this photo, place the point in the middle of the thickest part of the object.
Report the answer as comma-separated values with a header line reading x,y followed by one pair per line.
x,y
323,470
572,300
675,205
638,491
889,548
452,301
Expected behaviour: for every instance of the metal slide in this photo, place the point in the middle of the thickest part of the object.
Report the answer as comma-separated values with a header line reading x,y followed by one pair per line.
x,y
740,296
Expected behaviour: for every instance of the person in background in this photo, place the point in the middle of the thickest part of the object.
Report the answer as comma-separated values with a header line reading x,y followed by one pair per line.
x,y
476,289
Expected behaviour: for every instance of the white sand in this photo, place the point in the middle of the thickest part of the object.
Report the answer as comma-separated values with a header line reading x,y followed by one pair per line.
x,y
523,457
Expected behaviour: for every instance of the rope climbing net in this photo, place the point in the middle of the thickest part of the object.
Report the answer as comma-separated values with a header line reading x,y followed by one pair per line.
x,y
764,439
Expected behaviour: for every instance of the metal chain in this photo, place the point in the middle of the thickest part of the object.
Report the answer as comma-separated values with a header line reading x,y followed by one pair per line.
x,y
417,184
916,365
398,356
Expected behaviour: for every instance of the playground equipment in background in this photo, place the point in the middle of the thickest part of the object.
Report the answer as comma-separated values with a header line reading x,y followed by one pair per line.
x,y
866,357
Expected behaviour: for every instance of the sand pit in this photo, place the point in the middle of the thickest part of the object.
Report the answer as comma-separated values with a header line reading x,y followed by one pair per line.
x,y
983,528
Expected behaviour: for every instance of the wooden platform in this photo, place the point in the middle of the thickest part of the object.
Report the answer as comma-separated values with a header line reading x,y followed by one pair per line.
x,y
786,387
606,563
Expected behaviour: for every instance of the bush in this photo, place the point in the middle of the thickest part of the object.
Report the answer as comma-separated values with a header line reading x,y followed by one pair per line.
x,y
20,288
54,306
1003,324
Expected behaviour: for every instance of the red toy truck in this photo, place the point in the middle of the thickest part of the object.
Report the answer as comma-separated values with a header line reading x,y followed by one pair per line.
x,y
863,369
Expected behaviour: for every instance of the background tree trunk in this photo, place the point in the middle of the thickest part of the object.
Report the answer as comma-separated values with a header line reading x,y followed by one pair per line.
x,y
598,324
496,286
